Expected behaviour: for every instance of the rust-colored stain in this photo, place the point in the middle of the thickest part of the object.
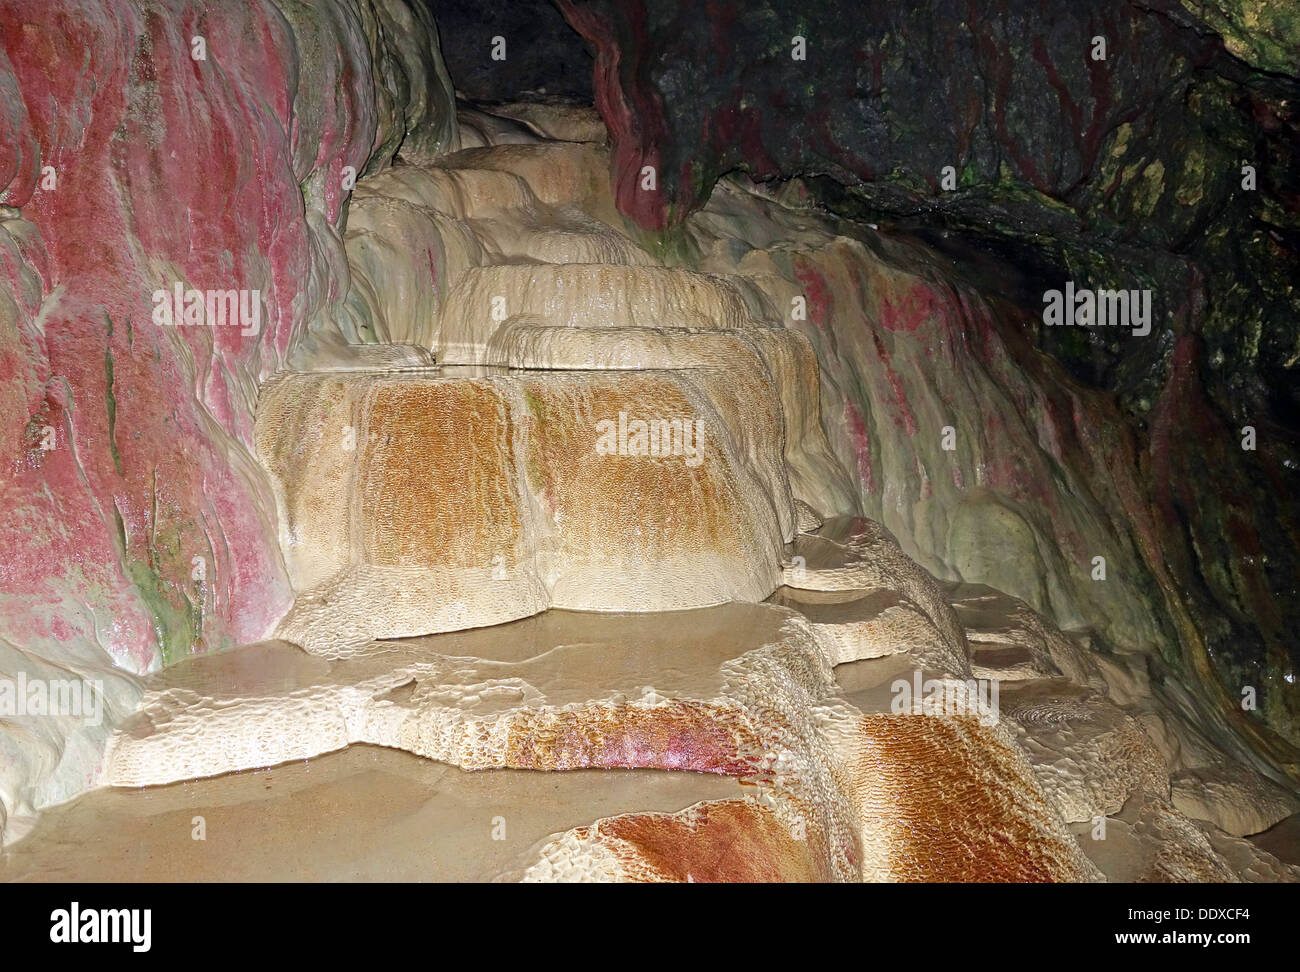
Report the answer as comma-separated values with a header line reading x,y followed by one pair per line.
x,y
728,840
437,485
612,503
942,800
954,804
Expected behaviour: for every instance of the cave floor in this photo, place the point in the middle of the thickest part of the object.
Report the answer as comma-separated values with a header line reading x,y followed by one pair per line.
x,y
364,813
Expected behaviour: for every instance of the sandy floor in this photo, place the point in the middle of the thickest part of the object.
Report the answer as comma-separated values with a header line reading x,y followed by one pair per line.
x,y
362,814
1282,840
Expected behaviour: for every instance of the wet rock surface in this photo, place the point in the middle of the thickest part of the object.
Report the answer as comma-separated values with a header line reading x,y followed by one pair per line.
x,y
1114,172
141,527
851,629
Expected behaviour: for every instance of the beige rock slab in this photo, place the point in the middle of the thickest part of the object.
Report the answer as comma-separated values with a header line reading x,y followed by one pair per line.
x,y
560,690
1089,755
1148,840
1234,798
362,814
594,295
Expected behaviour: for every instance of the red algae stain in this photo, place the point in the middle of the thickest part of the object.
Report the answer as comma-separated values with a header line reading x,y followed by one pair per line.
x,y
861,446
679,735
141,513
908,313
903,415
634,113
820,301
725,841
128,145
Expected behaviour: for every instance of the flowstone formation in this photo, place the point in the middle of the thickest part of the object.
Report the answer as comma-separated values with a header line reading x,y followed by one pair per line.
x,y
1114,145
599,554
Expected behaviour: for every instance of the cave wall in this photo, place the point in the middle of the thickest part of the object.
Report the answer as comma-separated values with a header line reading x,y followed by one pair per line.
x,y
1117,172
141,530
145,144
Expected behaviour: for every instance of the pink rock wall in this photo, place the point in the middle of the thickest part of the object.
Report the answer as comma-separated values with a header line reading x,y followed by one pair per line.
x,y
144,144
224,172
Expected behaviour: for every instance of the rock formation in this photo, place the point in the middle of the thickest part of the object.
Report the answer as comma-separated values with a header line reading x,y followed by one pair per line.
x,y
774,502
1115,144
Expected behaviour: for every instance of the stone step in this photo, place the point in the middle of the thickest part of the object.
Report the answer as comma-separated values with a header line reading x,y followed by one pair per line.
x,y
873,624
557,691
412,230
479,182
555,235
558,173
581,296
1008,639
461,193
855,555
